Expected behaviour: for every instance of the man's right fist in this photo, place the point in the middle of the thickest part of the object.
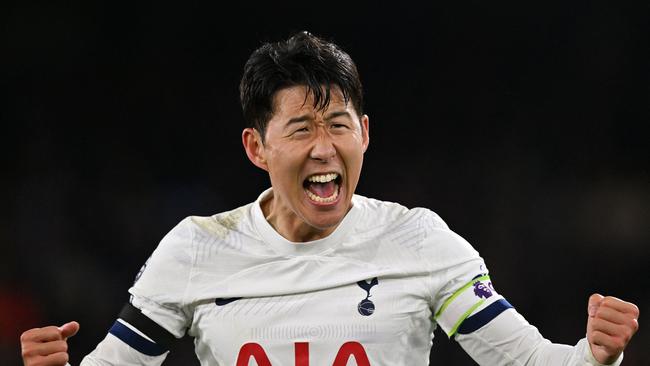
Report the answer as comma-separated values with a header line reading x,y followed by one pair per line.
x,y
47,346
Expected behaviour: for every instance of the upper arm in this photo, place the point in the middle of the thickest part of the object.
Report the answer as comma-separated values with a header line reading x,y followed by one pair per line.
x,y
161,286
156,313
470,306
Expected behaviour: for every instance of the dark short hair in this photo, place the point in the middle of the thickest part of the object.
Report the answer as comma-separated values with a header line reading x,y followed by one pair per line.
x,y
303,59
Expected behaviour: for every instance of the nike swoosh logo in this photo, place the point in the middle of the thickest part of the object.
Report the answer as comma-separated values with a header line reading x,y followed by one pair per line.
x,y
225,300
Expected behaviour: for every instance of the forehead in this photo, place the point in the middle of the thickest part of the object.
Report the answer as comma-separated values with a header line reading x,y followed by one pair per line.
x,y
297,100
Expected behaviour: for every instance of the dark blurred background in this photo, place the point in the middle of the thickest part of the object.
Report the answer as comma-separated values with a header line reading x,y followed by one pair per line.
x,y
521,124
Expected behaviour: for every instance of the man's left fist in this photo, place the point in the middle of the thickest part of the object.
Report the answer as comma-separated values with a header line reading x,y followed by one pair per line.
x,y
611,324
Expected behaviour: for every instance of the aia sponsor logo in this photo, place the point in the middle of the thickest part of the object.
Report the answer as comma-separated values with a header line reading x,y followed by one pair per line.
x,y
301,352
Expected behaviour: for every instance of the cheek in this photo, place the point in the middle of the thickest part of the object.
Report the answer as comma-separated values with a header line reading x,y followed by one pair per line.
x,y
283,171
353,165
280,161
352,148
356,156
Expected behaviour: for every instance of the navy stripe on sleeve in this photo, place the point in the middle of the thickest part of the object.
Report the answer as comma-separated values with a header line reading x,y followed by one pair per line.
x,y
484,316
135,340
144,324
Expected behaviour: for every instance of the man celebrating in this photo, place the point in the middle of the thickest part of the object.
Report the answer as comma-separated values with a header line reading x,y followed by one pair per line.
x,y
311,273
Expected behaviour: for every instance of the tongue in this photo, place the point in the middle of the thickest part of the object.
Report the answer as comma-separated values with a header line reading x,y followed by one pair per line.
x,y
322,189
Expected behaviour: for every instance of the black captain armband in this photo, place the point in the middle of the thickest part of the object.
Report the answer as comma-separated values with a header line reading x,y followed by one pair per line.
x,y
131,318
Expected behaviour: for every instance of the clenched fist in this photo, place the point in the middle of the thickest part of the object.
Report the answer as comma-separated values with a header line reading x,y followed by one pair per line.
x,y
611,324
47,346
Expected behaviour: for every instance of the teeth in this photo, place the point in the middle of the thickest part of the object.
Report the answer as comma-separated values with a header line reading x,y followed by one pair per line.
x,y
331,198
323,178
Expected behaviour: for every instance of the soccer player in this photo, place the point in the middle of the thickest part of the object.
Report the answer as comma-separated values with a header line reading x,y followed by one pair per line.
x,y
311,273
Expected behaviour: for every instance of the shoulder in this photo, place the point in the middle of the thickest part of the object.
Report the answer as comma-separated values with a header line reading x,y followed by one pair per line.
x,y
192,239
196,232
419,229
222,224
392,214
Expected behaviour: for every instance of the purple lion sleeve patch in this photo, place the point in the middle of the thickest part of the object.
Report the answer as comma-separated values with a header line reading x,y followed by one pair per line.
x,y
482,290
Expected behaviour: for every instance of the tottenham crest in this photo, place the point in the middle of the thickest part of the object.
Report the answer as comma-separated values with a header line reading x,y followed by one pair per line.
x,y
366,307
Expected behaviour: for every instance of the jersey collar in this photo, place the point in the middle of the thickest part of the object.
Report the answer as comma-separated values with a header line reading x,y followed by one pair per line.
x,y
283,246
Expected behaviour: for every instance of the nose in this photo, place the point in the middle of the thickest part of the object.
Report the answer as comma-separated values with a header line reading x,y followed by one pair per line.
x,y
323,149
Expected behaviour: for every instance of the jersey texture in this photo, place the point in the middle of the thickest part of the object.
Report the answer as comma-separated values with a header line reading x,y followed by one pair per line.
x,y
372,292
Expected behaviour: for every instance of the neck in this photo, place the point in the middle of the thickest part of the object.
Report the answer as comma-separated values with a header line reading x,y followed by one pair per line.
x,y
290,225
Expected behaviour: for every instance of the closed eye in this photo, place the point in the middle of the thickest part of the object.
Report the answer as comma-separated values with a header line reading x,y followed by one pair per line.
x,y
300,131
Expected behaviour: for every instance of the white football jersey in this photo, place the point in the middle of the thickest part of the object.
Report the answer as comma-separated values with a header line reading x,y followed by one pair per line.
x,y
371,293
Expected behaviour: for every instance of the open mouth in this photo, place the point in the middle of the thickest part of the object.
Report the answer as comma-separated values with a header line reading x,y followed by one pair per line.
x,y
323,188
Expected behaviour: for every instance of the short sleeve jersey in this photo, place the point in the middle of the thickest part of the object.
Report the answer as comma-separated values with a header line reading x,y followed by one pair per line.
x,y
372,292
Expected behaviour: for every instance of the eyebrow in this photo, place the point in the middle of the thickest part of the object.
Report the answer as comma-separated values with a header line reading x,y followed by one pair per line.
x,y
308,116
337,114
303,118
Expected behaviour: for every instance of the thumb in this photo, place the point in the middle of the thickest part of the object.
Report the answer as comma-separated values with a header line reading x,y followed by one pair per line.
x,y
69,329
594,303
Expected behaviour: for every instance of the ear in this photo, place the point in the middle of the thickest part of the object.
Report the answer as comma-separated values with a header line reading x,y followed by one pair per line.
x,y
254,147
365,131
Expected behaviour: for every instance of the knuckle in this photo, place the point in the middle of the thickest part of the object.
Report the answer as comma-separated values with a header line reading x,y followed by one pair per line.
x,y
27,350
626,338
619,343
28,334
635,325
591,336
609,300
594,297
59,358
62,358
596,323
615,343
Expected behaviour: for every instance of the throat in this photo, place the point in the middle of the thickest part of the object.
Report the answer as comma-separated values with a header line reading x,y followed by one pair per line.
x,y
290,226
294,229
